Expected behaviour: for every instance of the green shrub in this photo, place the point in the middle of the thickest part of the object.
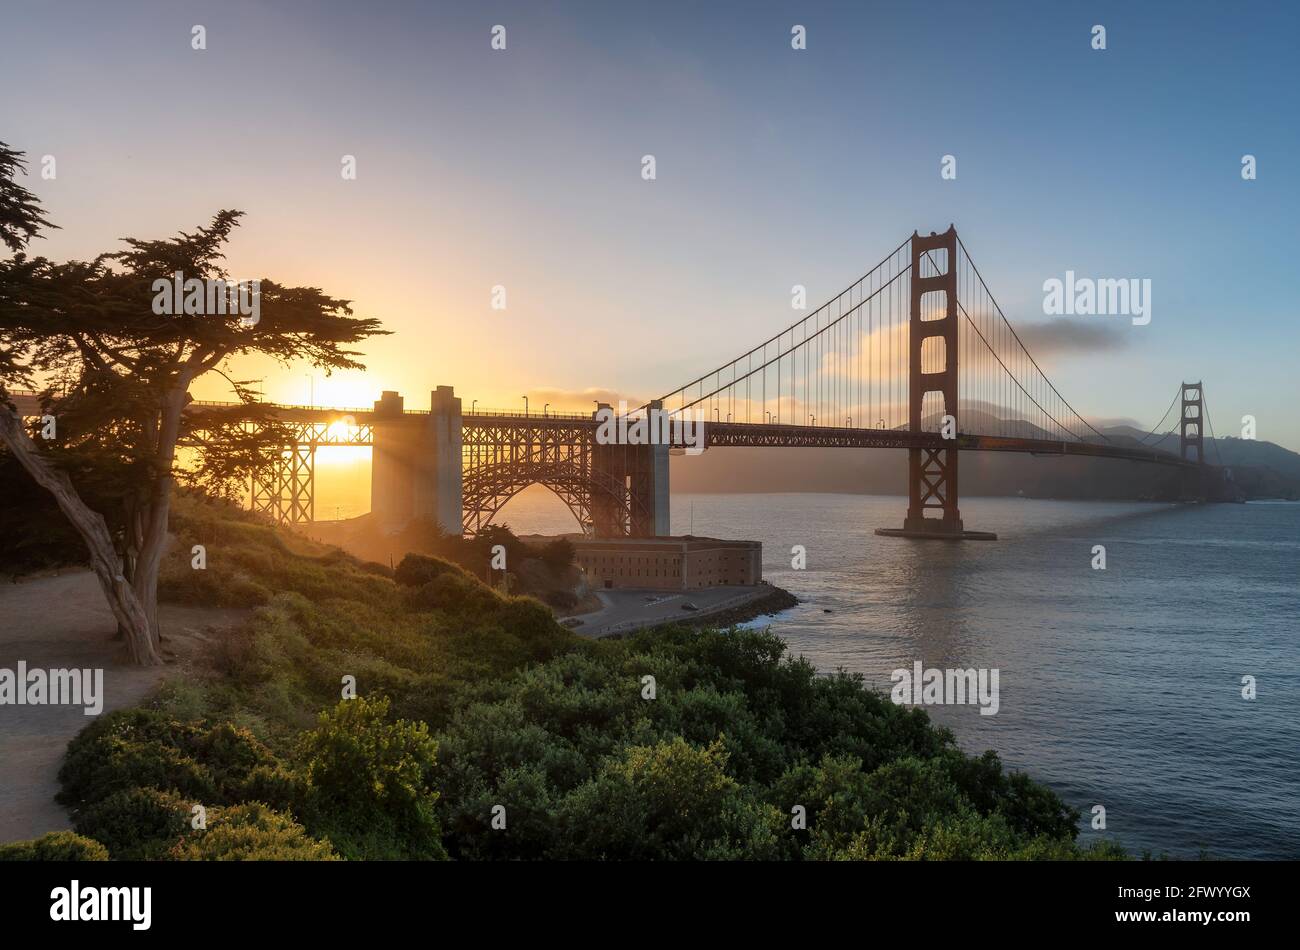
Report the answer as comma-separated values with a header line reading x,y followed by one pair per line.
x,y
381,570
457,594
55,846
137,824
558,554
275,785
251,832
369,783
533,626
416,570
669,801
145,748
132,748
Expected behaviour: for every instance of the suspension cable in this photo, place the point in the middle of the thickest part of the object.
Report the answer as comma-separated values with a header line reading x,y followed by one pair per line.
x,y
962,244
997,357
1205,408
776,337
1156,430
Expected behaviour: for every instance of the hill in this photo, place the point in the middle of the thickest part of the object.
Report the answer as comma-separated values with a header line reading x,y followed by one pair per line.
x,y
366,713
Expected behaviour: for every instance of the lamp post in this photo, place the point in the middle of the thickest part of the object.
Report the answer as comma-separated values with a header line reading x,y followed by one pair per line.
x,y
472,406
525,405
546,407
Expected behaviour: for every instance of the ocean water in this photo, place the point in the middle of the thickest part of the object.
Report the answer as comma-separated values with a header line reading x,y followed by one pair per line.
x,y
1120,687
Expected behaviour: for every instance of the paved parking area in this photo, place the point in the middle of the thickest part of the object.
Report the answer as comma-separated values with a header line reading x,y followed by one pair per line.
x,y
628,609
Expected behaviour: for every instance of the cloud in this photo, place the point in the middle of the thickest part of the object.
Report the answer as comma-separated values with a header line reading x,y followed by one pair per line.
x,y
1064,336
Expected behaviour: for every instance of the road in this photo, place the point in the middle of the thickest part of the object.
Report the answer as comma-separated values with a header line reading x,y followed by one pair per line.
x,y
62,622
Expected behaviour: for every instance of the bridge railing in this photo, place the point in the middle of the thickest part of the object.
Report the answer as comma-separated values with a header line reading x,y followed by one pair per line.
x,y
522,414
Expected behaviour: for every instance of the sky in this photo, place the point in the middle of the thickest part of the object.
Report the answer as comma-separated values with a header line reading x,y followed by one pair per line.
x,y
774,167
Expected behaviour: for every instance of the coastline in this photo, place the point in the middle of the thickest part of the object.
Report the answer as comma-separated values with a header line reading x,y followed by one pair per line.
x,y
769,604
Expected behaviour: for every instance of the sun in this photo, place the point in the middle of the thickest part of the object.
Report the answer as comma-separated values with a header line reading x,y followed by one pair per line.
x,y
342,430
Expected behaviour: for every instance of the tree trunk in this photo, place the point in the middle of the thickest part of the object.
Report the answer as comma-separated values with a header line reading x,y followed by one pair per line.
x,y
131,614
153,541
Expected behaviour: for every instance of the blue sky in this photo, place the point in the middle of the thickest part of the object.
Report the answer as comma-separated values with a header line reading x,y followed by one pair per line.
x,y
775,167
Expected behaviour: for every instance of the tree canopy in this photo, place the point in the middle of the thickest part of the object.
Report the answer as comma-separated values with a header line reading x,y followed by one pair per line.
x,y
114,370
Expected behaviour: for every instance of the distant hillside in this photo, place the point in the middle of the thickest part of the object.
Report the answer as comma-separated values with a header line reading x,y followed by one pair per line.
x,y
1260,469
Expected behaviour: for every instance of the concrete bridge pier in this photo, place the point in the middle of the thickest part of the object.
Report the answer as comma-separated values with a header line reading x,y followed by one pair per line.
x,y
629,490
416,462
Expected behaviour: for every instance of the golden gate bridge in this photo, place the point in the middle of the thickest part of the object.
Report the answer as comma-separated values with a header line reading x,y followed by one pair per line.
x,y
916,354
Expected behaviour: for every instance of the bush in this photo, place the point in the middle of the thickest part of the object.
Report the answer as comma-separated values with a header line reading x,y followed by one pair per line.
x,y
137,824
132,748
369,783
558,554
562,599
457,594
416,570
252,832
214,587
374,567
143,748
55,846
669,801
534,626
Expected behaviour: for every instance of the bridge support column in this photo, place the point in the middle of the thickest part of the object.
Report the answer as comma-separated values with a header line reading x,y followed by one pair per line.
x,y
394,456
659,492
630,489
650,486
444,434
416,463
932,471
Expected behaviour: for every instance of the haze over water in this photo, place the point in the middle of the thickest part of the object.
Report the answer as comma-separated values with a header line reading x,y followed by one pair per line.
x,y
1119,687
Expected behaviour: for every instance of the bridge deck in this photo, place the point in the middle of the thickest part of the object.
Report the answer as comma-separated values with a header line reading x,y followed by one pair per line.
x,y
721,434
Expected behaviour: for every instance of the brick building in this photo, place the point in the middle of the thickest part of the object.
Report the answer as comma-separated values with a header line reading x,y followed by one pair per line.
x,y
678,563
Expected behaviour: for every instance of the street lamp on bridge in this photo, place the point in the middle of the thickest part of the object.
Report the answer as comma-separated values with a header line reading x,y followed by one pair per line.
x,y
525,405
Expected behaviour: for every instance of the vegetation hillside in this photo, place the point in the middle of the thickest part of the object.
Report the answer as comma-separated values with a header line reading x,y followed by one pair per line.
x,y
481,729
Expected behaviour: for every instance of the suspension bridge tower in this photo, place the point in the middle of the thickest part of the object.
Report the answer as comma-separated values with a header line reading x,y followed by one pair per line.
x,y
1191,441
932,369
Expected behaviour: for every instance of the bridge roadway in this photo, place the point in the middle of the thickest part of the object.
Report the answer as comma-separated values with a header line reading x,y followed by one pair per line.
x,y
717,434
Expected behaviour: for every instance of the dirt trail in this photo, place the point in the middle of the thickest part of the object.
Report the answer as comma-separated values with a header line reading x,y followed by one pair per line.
x,y
62,621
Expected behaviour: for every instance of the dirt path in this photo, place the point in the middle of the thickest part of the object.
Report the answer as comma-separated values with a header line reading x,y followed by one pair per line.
x,y
61,621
